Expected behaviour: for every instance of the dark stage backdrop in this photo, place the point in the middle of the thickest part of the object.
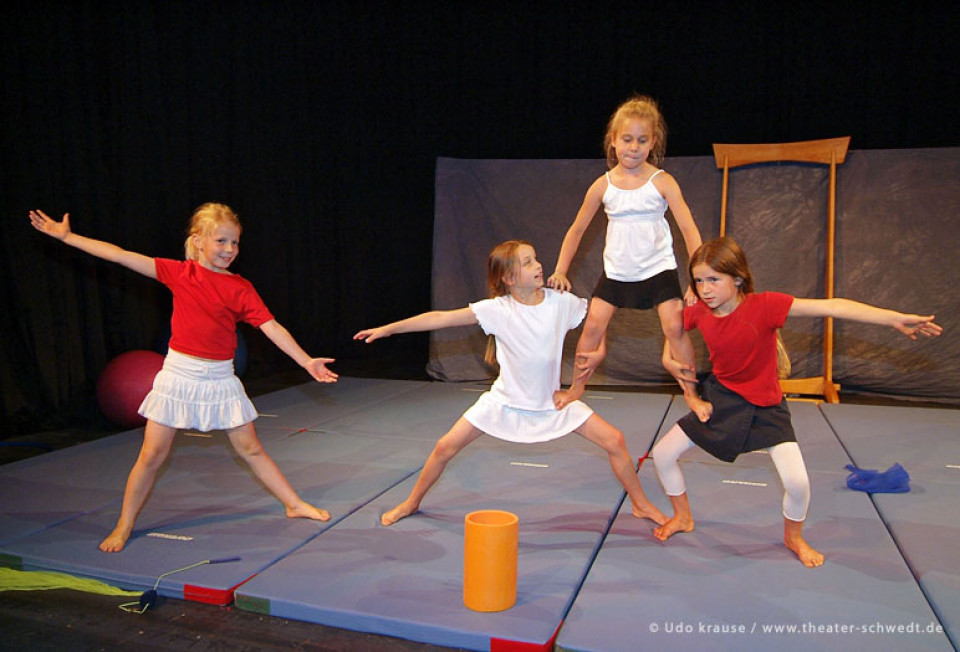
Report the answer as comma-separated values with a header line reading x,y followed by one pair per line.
x,y
896,229
320,122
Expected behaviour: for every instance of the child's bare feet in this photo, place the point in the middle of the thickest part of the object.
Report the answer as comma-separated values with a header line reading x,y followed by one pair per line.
x,y
400,511
306,510
649,510
564,397
805,553
793,539
674,525
116,540
698,406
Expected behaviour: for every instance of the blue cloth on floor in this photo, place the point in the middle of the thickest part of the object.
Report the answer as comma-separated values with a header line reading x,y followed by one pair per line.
x,y
894,480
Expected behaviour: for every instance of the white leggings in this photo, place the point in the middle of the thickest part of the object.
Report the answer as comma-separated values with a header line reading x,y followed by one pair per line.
x,y
786,458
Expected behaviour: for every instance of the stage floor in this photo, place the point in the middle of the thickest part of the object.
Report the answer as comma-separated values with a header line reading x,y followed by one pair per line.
x,y
590,576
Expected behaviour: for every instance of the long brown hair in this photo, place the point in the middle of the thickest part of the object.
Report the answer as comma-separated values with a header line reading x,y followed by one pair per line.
x,y
641,107
501,263
724,255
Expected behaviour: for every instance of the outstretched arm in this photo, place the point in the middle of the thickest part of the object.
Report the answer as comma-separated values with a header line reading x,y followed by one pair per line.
x,y
908,324
571,241
427,321
316,367
110,252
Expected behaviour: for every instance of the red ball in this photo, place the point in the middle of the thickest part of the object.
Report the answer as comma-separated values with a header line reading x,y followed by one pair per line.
x,y
124,383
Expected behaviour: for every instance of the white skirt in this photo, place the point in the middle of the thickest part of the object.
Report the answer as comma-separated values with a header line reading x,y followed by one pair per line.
x,y
197,394
525,426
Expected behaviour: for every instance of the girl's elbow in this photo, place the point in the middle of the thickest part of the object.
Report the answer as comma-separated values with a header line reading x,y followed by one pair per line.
x,y
270,326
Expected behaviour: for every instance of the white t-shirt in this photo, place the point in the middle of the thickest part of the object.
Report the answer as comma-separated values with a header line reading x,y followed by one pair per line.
x,y
529,345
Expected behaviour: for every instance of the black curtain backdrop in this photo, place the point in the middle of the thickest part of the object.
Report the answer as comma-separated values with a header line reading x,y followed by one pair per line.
x,y
321,123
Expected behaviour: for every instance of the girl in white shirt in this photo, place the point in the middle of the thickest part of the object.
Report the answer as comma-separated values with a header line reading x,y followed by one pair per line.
x,y
529,323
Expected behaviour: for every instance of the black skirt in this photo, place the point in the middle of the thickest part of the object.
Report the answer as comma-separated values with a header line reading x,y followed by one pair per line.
x,y
736,425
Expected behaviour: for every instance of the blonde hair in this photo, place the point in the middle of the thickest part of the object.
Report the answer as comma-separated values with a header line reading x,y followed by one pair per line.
x,y
724,255
204,220
640,107
502,262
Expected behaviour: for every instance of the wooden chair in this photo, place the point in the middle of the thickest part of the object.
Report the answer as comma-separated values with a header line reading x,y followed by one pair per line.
x,y
832,152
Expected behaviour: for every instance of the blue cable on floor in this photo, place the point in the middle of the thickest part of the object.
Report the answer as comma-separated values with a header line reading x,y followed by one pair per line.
x,y
149,598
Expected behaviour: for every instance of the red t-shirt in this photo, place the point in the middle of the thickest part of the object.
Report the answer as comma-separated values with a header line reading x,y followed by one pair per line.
x,y
206,308
743,345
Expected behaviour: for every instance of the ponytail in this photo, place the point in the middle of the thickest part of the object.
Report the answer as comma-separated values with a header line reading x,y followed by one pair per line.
x,y
490,355
783,358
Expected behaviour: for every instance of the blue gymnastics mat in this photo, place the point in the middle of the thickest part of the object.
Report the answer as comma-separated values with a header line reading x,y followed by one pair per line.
x,y
206,504
924,522
48,489
223,512
424,412
45,490
732,585
309,405
406,580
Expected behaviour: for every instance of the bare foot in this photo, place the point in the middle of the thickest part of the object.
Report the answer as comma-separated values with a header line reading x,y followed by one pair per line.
x,y
805,553
115,541
698,406
306,510
564,397
397,513
674,525
650,511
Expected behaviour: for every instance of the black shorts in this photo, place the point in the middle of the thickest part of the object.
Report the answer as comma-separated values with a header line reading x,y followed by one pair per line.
x,y
641,295
736,425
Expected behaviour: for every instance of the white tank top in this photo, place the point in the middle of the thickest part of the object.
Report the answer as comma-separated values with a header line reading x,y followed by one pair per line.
x,y
639,244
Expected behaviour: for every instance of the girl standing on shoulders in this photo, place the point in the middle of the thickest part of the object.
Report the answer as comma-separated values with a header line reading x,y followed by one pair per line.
x,y
529,323
640,270
197,387
743,408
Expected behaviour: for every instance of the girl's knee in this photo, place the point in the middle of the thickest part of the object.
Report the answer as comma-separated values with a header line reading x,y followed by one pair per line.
x,y
598,317
152,457
247,447
445,449
662,462
661,451
797,487
672,328
594,325
613,441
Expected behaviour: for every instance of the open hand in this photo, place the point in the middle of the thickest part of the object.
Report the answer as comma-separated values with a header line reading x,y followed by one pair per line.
x,y
42,223
913,325
317,367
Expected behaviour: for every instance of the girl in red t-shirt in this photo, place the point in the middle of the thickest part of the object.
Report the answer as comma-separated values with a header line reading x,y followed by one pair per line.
x,y
743,408
197,387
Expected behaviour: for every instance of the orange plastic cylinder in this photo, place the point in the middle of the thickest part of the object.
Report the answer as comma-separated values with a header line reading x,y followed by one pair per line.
x,y
490,560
